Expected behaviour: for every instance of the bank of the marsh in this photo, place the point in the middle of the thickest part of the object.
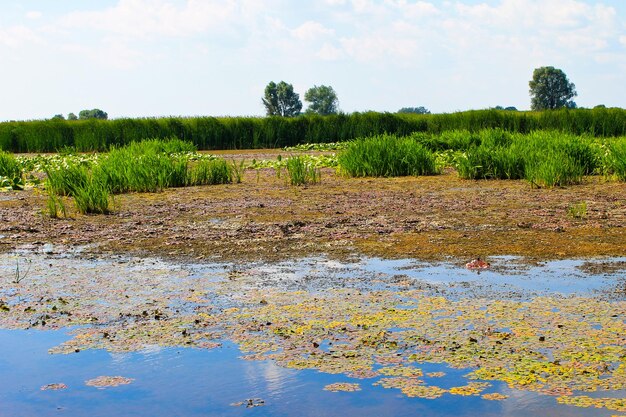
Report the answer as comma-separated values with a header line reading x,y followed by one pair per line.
x,y
265,218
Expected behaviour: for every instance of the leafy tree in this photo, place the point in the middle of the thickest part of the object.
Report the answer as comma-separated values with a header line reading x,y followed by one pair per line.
x,y
92,114
323,100
281,100
509,108
415,110
58,117
600,106
550,89
72,116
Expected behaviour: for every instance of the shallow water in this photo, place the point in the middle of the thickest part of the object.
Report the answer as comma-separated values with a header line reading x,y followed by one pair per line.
x,y
180,381
195,382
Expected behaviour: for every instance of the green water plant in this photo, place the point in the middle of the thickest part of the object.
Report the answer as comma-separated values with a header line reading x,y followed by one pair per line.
x,y
216,171
578,210
302,171
387,156
616,158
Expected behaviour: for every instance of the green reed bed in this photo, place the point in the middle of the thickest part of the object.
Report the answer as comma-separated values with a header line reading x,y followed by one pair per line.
x,y
387,156
616,159
216,171
11,172
302,171
545,159
275,132
148,166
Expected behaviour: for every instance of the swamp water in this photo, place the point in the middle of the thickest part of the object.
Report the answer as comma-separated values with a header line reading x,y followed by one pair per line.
x,y
316,337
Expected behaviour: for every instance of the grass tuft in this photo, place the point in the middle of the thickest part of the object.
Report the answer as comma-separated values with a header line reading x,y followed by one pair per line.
x,y
302,171
387,156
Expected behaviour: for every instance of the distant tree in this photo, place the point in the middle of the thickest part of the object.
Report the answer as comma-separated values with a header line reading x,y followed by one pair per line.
x,y
323,100
281,100
415,110
600,106
510,108
58,117
92,114
72,116
550,89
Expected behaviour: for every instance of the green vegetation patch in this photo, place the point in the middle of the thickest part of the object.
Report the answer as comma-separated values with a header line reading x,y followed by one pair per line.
x,y
387,156
148,166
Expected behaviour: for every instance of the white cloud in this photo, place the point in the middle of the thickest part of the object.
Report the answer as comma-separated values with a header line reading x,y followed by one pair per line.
x,y
33,15
377,47
329,52
148,18
17,36
414,9
310,31
622,40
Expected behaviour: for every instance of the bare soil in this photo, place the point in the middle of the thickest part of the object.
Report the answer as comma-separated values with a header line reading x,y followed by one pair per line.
x,y
263,218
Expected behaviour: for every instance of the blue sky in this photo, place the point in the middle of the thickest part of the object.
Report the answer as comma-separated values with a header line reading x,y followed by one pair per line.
x,y
207,57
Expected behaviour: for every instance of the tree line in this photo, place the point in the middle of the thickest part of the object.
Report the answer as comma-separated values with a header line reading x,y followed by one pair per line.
x,y
550,89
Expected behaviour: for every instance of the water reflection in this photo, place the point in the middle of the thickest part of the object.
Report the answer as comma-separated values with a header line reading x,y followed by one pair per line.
x,y
196,382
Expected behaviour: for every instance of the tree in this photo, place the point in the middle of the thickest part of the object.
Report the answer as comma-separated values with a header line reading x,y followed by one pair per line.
x,y
92,114
415,110
58,117
323,100
72,116
281,100
550,89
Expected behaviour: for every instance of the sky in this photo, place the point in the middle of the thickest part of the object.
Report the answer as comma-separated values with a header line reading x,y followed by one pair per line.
x,y
149,58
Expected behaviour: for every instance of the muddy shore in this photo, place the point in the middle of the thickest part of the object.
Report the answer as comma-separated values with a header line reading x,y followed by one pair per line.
x,y
265,219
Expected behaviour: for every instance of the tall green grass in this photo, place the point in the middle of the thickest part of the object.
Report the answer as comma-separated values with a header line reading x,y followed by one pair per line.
x,y
9,167
545,159
386,156
148,166
302,171
616,159
93,198
216,171
275,132
90,193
